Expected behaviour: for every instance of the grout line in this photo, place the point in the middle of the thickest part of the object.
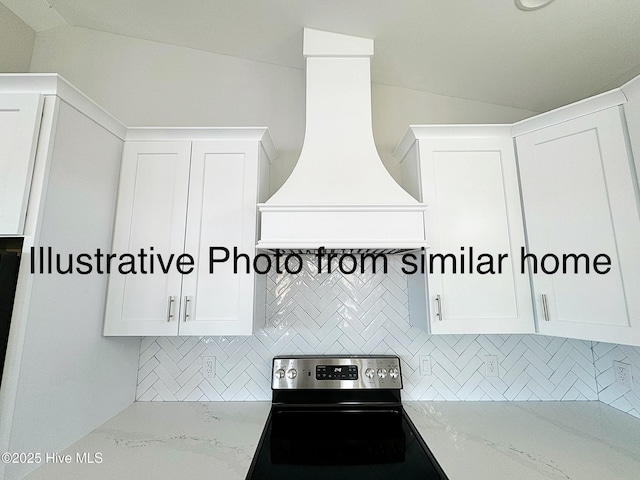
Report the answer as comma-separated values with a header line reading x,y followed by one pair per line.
x,y
595,373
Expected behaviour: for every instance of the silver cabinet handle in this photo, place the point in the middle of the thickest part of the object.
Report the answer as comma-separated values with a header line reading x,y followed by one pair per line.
x,y
439,308
169,309
186,308
545,307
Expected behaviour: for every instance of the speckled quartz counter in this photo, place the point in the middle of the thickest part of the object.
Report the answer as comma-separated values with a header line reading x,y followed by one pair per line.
x,y
483,440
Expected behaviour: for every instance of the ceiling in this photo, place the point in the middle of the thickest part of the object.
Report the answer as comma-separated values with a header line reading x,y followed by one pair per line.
x,y
486,50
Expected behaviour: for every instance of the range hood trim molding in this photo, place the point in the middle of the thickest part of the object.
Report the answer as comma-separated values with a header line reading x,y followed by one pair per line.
x,y
304,247
265,207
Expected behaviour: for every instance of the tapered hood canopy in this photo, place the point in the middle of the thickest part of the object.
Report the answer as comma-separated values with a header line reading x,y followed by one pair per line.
x,y
339,194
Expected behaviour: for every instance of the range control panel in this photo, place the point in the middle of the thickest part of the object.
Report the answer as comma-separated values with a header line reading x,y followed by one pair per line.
x,y
340,372
336,372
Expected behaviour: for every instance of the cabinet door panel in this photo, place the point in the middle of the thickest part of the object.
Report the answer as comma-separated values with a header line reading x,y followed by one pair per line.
x,y
222,206
151,216
471,186
20,116
579,198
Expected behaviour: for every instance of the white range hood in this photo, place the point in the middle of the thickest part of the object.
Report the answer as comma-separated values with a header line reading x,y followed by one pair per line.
x,y
340,195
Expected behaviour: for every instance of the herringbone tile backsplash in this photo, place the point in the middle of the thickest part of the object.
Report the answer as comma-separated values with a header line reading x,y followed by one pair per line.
x,y
367,313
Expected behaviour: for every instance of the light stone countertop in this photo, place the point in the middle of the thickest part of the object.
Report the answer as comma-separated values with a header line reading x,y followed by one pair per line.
x,y
471,440
530,440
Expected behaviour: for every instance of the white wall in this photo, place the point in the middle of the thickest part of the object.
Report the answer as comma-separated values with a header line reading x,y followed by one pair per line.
x,y
145,83
16,42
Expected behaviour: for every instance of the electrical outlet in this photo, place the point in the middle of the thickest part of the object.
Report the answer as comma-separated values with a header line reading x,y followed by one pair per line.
x,y
208,367
622,372
491,366
425,365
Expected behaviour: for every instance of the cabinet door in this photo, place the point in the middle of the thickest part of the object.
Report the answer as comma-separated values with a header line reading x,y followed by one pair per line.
x,y
150,217
20,116
579,197
222,213
474,215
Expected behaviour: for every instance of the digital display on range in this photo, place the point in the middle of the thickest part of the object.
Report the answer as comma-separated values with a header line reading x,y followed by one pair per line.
x,y
336,372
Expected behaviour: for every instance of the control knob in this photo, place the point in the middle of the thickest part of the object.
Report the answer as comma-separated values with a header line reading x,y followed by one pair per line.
x,y
369,373
393,372
280,373
292,373
382,372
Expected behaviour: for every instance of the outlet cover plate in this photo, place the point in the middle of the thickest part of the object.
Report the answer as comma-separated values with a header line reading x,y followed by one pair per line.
x,y
622,373
425,365
491,366
208,367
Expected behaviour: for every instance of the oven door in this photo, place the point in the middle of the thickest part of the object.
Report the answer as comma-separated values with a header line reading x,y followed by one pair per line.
x,y
337,437
341,443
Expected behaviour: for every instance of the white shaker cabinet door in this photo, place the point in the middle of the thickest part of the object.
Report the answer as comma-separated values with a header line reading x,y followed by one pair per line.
x,y
222,214
580,197
20,116
150,216
474,214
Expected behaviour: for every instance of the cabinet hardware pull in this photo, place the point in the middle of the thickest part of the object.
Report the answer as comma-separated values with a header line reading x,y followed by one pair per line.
x,y
186,308
439,307
169,308
545,307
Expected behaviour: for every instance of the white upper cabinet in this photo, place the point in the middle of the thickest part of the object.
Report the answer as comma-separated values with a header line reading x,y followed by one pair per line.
x,y
467,177
580,198
177,200
20,117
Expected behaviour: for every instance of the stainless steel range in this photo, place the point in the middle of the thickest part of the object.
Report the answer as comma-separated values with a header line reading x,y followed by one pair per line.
x,y
340,418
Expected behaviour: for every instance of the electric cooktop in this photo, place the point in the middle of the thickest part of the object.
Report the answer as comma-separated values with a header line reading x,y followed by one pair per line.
x,y
340,418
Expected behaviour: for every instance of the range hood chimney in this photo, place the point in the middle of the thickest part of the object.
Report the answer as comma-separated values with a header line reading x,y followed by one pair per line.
x,y
340,195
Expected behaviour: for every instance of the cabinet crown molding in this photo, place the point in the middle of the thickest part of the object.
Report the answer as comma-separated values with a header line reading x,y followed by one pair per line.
x,y
631,88
416,132
569,112
176,134
55,85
